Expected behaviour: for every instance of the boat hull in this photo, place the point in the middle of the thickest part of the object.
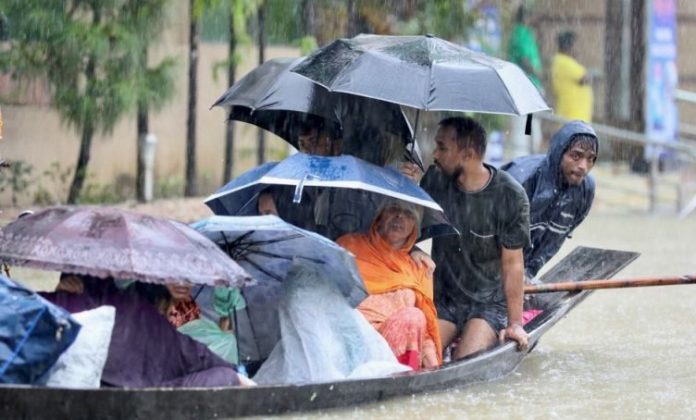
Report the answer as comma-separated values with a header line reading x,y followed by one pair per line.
x,y
185,403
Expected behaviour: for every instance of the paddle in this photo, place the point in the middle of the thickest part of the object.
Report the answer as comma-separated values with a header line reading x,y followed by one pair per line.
x,y
608,284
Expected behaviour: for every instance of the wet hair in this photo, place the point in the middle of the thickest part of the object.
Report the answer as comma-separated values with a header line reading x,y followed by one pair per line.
x,y
311,122
585,142
566,40
470,134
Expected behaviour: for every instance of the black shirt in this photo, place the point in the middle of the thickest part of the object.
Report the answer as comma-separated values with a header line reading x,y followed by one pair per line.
x,y
469,266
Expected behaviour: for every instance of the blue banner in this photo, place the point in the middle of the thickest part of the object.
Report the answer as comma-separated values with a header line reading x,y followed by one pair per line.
x,y
661,113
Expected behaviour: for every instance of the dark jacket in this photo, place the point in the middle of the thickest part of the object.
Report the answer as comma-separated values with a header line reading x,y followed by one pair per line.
x,y
556,208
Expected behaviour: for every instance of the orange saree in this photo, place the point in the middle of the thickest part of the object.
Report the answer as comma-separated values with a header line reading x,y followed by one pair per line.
x,y
397,286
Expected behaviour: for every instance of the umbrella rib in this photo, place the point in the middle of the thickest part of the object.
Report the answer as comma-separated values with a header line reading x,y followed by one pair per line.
x,y
277,240
236,249
263,270
285,257
272,255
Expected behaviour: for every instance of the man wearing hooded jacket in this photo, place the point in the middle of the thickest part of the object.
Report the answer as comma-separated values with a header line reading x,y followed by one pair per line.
x,y
559,188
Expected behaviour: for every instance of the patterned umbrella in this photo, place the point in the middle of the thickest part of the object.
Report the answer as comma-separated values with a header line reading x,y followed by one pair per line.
x,y
108,242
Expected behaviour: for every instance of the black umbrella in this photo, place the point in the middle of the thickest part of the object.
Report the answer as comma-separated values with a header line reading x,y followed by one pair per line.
x,y
280,101
423,72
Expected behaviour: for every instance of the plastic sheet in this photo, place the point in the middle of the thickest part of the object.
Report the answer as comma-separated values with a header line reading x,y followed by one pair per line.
x,y
33,334
322,337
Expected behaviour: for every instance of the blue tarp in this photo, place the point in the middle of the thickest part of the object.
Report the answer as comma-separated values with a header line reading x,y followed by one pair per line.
x,y
33,333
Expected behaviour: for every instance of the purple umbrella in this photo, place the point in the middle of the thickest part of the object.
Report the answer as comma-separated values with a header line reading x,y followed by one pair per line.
x,y
108,242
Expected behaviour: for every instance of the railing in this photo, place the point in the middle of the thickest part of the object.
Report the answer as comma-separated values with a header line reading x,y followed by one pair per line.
x,y
678,175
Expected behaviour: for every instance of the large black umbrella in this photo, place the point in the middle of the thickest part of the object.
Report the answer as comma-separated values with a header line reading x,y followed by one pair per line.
x,y
423,72
280,101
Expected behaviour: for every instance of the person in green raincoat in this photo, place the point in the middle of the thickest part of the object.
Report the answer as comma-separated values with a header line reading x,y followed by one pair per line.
x,y
523,50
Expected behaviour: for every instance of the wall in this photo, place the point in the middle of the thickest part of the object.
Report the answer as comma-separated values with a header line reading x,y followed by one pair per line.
x,y
35,134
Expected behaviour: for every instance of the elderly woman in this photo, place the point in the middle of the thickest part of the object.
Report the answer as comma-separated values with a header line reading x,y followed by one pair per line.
x,y
400,305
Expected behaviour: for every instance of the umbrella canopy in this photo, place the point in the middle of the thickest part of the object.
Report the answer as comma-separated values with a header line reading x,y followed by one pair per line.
x,y
266,246
277,100
350,174
109,242
423,72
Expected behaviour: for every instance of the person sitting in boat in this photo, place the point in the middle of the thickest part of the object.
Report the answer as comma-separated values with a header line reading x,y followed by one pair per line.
x,y
145,350
479,277
400,305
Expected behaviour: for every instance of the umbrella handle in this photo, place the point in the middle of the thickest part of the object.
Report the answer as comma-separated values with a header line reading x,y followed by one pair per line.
x,y
413,144
241,369
297,197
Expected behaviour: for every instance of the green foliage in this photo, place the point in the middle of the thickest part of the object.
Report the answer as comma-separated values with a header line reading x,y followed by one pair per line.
x,y
83,50
285,18
91,53
447,19
278,153
94,193
53,184
17,179
307,44
236,12
168,187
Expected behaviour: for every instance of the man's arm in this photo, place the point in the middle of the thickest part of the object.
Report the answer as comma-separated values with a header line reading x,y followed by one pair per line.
x,y
512,264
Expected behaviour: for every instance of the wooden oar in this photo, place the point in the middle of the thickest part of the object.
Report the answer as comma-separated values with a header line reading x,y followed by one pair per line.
x,y
572,286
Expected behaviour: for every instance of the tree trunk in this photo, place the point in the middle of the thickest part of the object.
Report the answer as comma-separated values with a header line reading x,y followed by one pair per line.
x,y
637,81
262,52
613,61
142,130
353,17
85,141
142,125
229,133
309,18
638,18
194,39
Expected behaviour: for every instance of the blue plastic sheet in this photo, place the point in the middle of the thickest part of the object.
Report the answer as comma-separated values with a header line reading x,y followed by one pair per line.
x,y
33,333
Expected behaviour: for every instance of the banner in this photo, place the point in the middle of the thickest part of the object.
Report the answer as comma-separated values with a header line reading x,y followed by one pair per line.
x,y
661,113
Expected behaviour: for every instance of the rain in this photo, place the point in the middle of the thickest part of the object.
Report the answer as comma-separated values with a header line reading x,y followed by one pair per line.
x,y
223,114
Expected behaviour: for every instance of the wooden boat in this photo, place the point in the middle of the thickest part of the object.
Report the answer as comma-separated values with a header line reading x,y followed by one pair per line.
x,y
20,402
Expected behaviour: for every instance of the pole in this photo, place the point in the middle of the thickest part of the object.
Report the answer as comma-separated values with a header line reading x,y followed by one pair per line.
x,y
573,286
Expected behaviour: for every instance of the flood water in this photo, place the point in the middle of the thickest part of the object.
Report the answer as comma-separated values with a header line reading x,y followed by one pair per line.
x,y
620,354
626,353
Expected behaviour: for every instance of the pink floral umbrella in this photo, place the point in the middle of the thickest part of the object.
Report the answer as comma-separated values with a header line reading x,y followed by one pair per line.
x,y
108,242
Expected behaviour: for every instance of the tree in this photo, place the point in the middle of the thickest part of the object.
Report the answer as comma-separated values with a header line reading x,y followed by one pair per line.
x,y
261,28
239,12
155,85
196,10
88,51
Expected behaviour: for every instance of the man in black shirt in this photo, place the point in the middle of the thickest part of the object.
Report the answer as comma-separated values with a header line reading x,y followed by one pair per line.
x,y
478,275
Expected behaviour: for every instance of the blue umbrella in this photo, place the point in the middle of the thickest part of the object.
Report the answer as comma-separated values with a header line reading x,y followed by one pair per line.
x,y
345,172
266,246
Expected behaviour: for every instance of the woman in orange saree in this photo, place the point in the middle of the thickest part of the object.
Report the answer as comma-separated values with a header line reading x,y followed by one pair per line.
x,y
400,305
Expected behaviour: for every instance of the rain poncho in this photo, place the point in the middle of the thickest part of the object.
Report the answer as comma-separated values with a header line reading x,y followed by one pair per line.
x,y
323,338
556,208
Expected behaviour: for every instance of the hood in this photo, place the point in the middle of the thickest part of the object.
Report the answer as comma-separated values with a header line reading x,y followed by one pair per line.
x,y
561,140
